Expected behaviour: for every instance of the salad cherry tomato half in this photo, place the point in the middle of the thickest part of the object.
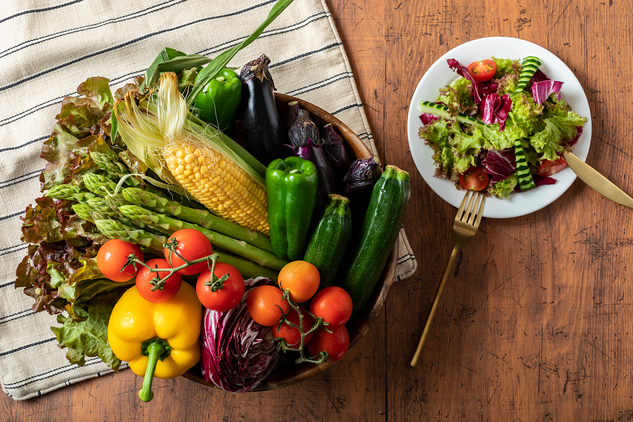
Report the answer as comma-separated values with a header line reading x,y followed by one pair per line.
x,y
292,335
547,167
475,178
301,278
333,304
482,70
191,245
220,294
148,286
265,305
112,257
335,343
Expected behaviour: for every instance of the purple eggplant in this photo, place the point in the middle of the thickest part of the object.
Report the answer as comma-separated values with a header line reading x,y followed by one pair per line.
x,y
263,130
359,184
292,112
303,129
313,151
336,151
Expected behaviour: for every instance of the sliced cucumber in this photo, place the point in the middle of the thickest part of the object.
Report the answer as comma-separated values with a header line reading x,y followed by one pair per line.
x,y
529,66
442,111
526,181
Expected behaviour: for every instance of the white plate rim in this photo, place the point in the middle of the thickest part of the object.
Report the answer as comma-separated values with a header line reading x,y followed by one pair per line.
x,y
439,74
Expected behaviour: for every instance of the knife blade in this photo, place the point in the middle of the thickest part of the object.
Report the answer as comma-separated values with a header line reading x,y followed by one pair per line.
x,y
596,181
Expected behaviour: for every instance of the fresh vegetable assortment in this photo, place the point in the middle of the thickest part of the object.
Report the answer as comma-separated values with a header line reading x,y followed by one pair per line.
x,y
500,126
151,214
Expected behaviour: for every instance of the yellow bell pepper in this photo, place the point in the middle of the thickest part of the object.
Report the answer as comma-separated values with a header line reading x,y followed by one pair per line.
x,y
143,333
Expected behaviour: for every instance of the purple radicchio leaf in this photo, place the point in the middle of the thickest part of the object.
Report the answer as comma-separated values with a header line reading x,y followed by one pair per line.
x,y
543,180
539,76
427,118
573,140
495,109
500,164
463,71
543,89
237,353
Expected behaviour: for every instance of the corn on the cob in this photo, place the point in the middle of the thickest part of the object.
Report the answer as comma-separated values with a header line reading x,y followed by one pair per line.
x,y
198,159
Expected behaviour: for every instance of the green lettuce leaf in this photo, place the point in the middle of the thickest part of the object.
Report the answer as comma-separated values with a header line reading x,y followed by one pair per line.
x,y
504,188
88,337
458,97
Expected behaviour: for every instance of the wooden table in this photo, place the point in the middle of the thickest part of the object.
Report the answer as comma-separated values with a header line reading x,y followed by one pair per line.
x,y
535,320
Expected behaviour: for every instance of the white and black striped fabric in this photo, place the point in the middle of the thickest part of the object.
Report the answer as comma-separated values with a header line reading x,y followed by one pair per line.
x,y
48,47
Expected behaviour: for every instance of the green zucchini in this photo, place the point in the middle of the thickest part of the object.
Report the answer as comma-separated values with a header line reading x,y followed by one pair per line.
x,y
381,225
330,238
526,181
442,111
529,66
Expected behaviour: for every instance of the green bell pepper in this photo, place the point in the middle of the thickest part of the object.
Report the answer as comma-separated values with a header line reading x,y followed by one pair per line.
x,y
219,99
291,186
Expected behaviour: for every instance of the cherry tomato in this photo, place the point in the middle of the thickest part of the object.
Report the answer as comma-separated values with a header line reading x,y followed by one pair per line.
x,y
263,305
475,178
547,167
228,295
192,245
482,70
333,304
146,281
292,335
335,343
301,278
113,255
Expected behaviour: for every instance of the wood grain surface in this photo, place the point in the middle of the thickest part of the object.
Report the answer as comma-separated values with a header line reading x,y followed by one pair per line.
x,y
535,322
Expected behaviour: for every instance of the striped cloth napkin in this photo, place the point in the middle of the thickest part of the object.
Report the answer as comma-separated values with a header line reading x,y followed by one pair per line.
x,y
48,47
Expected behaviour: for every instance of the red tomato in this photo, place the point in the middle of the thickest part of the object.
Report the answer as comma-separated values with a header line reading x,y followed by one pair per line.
x,y
301,278
113,255
146,280
482,70
263,304
475,178
333,304
228,294
292,335
547,167
192,245
335,343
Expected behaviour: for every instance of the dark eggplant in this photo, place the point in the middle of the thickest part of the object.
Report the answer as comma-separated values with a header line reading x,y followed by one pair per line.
x,y
303,129
263,130
292,112
359,184
327,178
336,151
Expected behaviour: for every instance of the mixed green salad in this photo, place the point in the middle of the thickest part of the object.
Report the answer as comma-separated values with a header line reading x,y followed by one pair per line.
x,y
501,127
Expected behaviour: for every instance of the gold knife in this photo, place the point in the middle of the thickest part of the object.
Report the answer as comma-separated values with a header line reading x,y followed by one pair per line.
x,y
597,181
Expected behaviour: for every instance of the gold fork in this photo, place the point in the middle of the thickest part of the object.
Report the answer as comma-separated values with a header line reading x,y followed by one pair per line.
x,y
464,228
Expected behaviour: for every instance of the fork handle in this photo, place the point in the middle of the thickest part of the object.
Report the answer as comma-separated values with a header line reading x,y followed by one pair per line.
x,y
435,307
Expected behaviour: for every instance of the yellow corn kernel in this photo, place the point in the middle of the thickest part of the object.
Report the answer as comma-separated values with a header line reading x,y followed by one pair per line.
x,y
219,184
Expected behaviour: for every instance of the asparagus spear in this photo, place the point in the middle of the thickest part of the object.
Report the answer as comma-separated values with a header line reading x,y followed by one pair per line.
x,y
246,267
83,211
109,163
202,218
163,222
115,230
99,184
69,192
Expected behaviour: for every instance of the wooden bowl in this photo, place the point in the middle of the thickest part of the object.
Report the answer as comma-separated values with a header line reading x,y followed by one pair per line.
x,y
288,374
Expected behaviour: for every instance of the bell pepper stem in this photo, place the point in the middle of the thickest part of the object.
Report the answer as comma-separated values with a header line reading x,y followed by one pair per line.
x,y
154,349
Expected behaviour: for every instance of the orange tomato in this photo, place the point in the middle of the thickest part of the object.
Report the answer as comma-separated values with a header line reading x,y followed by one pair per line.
x,y
301,278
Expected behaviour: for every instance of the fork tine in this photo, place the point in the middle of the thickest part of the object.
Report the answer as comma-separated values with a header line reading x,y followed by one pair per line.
x,y
472,206
460,211
480,212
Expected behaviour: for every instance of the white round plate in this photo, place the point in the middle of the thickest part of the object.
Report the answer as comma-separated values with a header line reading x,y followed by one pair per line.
x,y
439,75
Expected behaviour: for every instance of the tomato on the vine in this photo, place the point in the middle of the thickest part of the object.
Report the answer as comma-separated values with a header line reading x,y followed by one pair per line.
x,y
548,168
333,304
292,335
112,257
482,70
149,286
301,278
227,294
475,178
265,305
191,245
335,343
